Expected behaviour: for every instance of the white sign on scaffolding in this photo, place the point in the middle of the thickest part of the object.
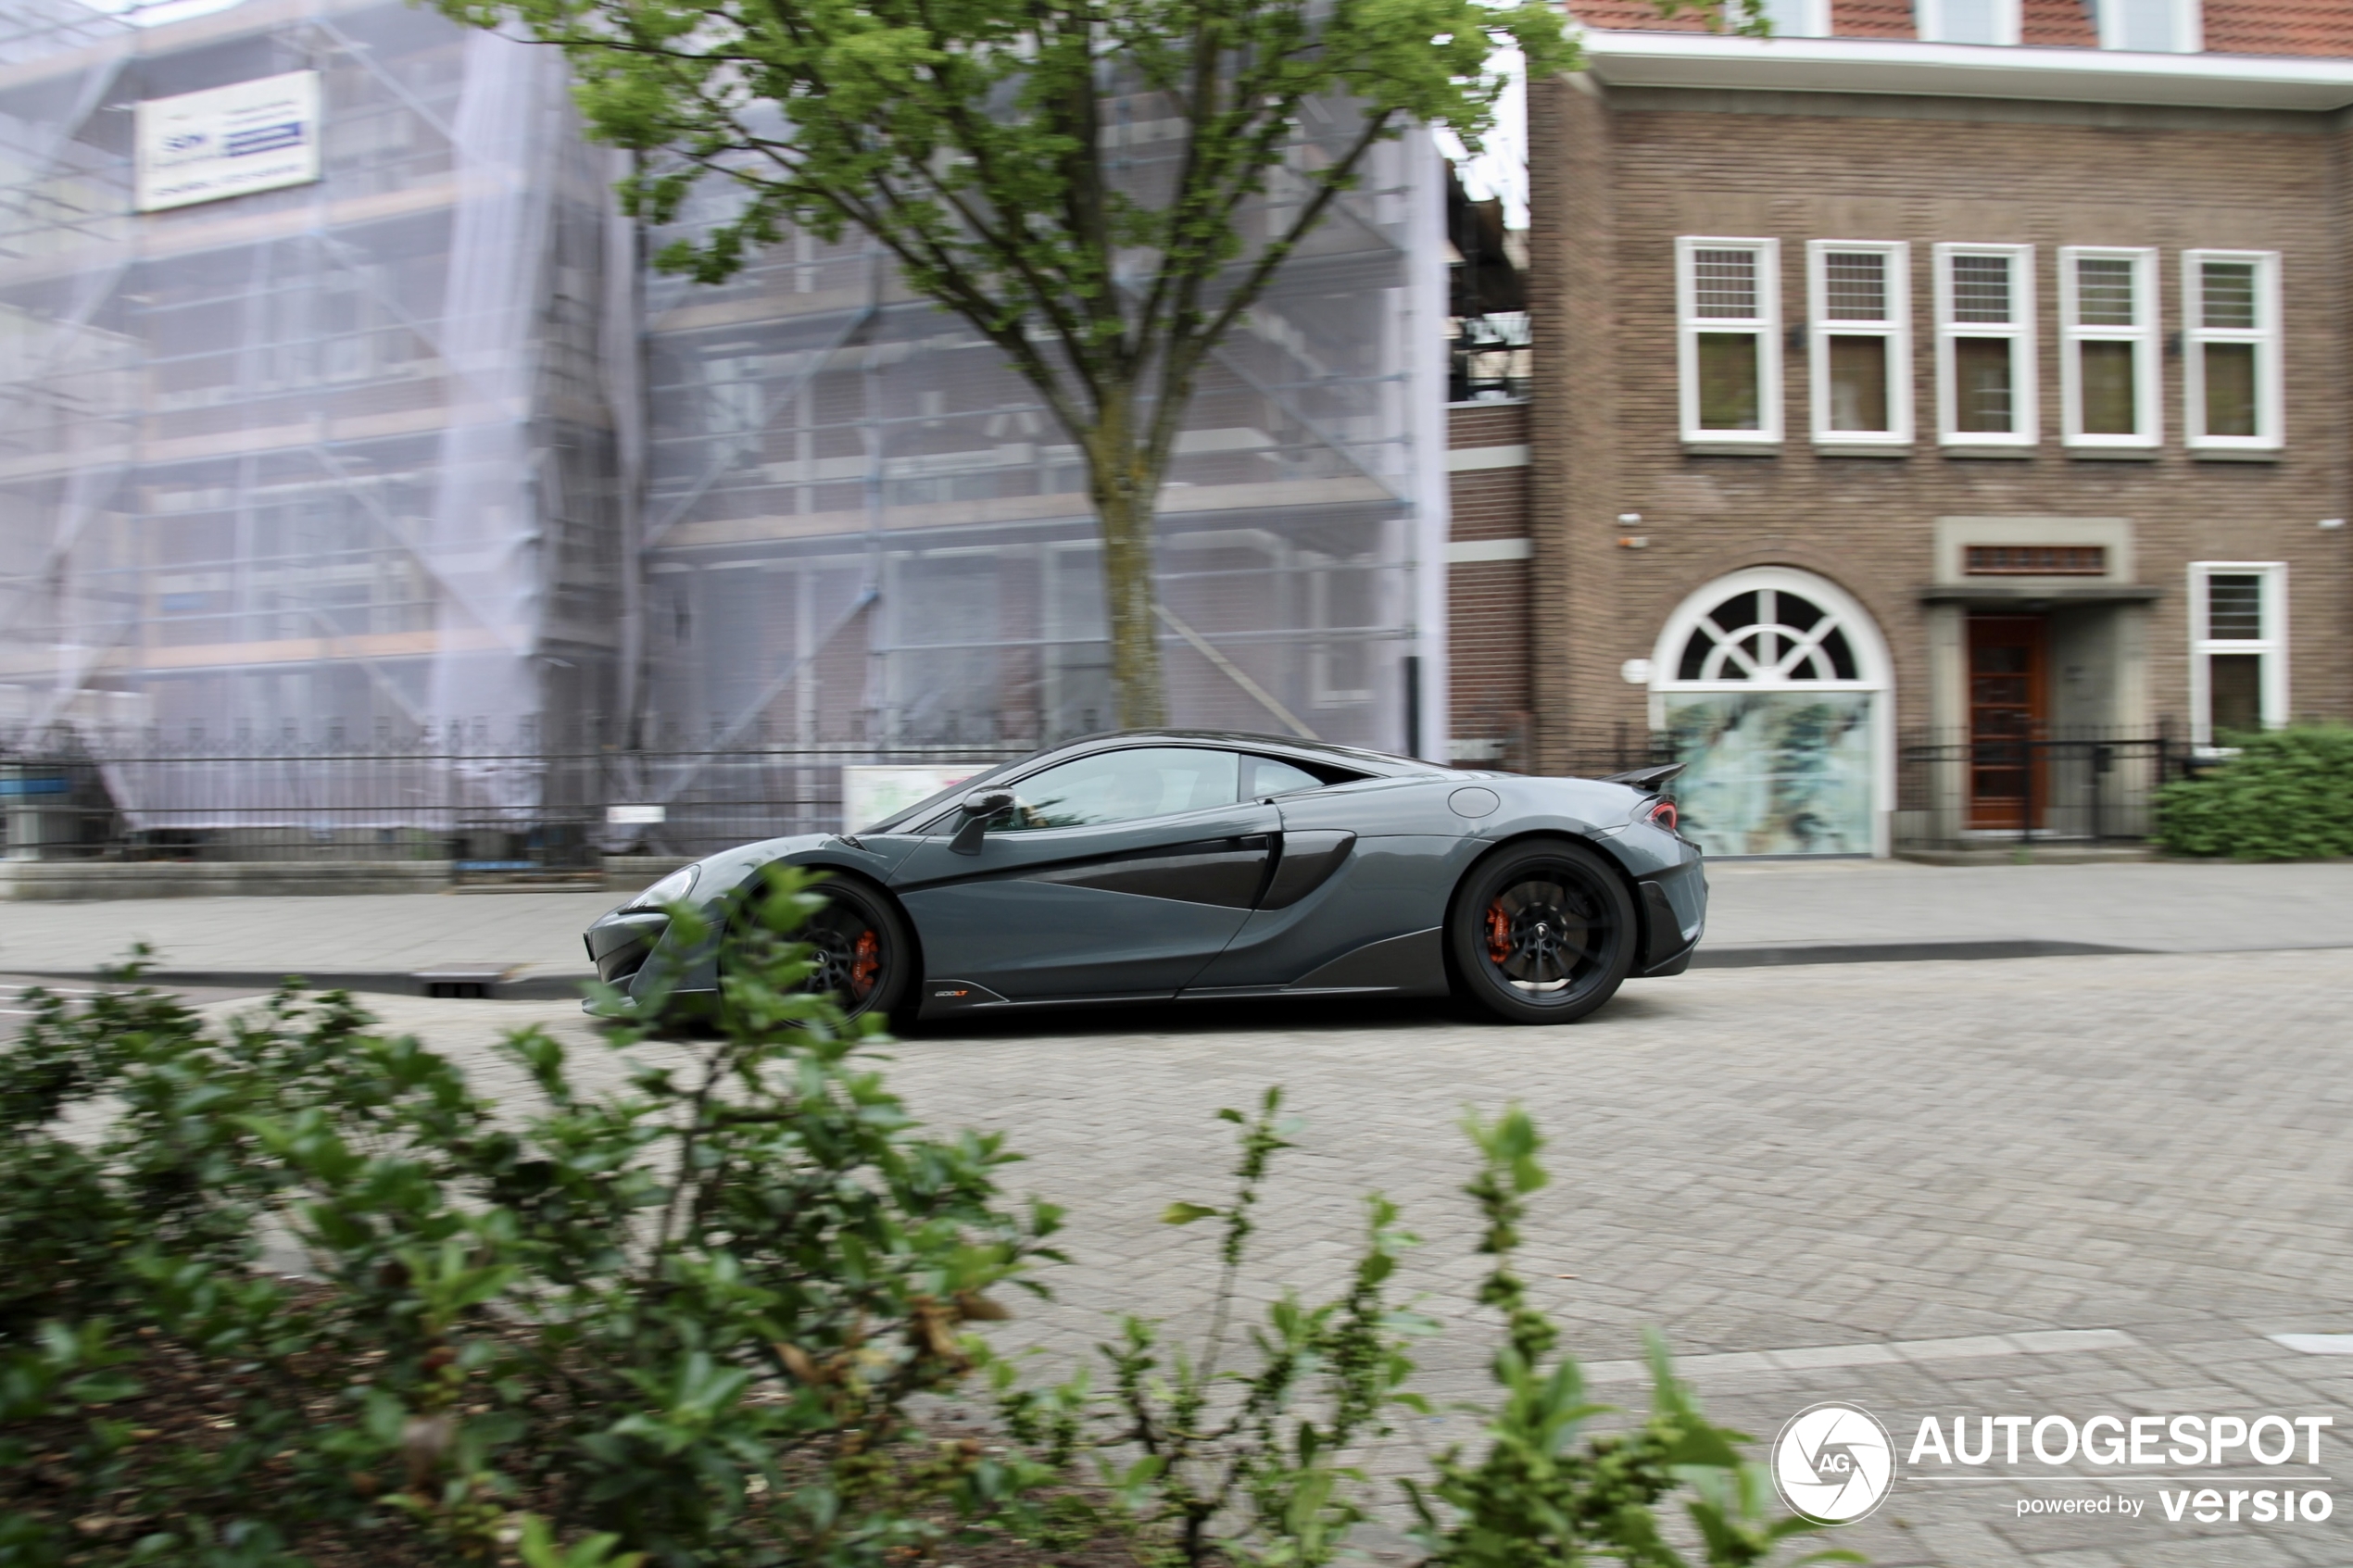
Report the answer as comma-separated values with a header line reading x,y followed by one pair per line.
x,y
257,135
870,795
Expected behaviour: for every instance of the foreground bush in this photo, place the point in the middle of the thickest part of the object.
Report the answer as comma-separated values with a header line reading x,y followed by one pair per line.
x,y
688,1322
686,1317
1202,1462
2288,795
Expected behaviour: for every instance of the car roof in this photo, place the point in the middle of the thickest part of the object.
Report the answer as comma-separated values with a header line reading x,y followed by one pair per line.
x,y
1377,764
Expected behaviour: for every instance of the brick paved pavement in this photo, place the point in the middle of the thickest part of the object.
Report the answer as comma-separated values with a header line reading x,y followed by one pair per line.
x,y
1914,1156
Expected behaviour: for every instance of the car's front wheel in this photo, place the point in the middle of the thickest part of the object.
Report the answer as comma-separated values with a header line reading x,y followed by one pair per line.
x,y
864,954
1542,932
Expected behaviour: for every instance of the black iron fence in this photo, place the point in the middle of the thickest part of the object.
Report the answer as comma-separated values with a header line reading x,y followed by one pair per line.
x,y
518,812
2084,787
509,811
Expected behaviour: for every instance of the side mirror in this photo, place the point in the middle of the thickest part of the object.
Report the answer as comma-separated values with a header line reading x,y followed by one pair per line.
x,y
978,807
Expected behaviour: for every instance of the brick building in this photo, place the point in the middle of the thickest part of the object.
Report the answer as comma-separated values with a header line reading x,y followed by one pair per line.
x,y
1932,413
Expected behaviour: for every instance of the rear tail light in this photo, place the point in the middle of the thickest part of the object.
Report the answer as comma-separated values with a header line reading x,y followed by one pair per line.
x,y
1663,815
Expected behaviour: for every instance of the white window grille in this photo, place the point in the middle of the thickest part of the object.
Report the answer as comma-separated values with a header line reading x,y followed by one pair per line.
x,y
1985,381
2163,27
1967,22
2110,348
2238,648
1728,339
2230,382
1859,305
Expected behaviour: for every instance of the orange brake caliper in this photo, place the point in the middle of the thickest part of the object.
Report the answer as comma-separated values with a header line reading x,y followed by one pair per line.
x,y
865,963
1499,931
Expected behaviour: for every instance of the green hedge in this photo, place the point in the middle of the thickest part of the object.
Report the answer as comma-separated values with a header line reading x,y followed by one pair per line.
x,y
2288,795
706,1320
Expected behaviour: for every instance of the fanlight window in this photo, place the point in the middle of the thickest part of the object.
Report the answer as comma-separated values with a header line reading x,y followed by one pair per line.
x,y
1768,636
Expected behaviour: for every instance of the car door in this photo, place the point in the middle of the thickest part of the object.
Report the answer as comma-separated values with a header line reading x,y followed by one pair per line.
x,y
1120,873
1357,896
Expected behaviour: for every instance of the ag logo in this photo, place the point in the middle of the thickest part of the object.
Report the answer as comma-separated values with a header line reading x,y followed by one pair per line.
x,y
1833,1464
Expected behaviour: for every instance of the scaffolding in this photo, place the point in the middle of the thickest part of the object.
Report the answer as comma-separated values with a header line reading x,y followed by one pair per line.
x,y
327,461
419,460
861,524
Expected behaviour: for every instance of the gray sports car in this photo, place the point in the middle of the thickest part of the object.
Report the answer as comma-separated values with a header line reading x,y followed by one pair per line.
x,y
1163,864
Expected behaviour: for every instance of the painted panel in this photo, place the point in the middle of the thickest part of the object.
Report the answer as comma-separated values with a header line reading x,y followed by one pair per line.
x,y
1775,773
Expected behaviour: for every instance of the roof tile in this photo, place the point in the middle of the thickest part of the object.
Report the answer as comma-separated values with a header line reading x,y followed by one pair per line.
x,y
1872,18
2323,27
2065,24
2279,27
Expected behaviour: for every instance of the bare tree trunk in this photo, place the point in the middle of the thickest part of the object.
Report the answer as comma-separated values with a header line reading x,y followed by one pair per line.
x,y
1124,487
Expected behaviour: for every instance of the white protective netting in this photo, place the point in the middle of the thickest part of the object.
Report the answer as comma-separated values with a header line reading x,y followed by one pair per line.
x,y
384,500
322,468
861,525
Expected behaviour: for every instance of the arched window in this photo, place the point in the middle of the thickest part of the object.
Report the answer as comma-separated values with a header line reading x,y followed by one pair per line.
x,y
1768,634
1774,685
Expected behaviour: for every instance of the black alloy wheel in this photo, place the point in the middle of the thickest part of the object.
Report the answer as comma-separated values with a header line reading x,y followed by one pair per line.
x,y
1542,932
862,951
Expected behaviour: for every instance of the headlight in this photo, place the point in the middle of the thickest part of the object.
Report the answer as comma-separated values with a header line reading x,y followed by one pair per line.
x,y
671,889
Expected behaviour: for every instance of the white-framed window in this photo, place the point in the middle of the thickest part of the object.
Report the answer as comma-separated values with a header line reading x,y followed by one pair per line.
x,y
2109,347
1794,19
1727,307
2162,27
2231,349
1860,307
1967,22
2238,647
1985,346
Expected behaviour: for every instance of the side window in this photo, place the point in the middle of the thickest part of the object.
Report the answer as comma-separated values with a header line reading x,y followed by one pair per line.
x,y
1270,777
2110,346
1729,338
1121,787
1862,340
2238,648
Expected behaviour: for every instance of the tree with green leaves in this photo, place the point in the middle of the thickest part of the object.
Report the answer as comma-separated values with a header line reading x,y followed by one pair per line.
x,y
970,138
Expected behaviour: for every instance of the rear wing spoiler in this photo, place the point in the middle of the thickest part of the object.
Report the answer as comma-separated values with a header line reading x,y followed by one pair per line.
x,y
1646,778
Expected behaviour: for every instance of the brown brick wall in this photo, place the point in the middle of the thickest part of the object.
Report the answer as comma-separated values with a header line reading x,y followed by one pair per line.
x,y
1488,644
1574,183
1617,179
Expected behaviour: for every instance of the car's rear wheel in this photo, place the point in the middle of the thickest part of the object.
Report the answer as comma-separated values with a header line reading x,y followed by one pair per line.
x,y
1542,932
864,954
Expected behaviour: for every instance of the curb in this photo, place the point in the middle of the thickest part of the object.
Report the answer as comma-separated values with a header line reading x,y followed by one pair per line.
x,y
1767,956
486,982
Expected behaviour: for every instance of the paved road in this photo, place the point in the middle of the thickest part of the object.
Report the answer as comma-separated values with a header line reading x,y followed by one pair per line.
x,y
1782,905
2058,1185
2164,906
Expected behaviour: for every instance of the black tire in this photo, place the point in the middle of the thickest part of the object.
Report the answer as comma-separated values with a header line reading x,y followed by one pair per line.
x,y
865,954
1542,932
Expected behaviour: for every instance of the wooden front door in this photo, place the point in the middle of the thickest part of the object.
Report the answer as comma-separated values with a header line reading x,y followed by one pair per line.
x,y
2008,682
